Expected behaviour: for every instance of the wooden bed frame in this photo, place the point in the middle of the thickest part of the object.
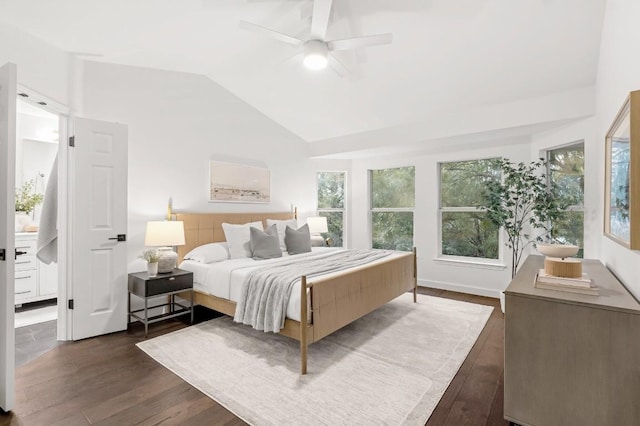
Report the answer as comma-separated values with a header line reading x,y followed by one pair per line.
x,y
335,301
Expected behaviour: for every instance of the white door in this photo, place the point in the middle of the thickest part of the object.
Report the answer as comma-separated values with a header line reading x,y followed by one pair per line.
x,y
99,214
8,95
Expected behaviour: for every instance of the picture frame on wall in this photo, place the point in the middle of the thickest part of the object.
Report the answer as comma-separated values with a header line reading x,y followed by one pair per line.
x,y
622,175
238,183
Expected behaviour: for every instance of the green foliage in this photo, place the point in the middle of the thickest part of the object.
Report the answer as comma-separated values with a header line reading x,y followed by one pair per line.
x,y
521,201
335,227
469,234
151,255
26,197
330,190
566,169
393,188
620,161
331,196
463,183
466,231
392,230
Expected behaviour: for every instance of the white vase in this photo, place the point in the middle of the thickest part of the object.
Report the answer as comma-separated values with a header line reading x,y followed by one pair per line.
x,y
22,220
152,269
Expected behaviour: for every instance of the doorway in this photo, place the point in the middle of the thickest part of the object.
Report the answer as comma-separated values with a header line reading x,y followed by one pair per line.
x,y
36,279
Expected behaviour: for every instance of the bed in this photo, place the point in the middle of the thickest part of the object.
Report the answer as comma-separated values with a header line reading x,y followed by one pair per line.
x,y
332,301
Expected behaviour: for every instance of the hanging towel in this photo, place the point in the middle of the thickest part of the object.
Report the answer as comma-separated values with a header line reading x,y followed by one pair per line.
x,y
48,229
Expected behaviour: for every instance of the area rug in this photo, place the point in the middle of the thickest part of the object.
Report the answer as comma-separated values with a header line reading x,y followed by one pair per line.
x,y
390,367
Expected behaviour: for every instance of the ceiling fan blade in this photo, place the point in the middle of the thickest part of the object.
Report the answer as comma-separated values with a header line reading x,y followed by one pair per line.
x,y
320,19
271,33
356,42
337,66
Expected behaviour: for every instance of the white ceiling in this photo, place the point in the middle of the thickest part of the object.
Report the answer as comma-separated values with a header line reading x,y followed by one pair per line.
x,y
446,54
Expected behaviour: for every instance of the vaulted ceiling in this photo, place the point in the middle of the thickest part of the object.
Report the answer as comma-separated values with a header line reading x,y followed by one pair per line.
x,y
446,54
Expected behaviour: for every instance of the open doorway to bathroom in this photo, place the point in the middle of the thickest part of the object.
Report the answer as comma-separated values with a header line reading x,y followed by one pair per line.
x,y
36,280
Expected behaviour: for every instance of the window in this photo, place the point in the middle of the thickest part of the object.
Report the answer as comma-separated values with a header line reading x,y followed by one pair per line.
x,y
465,229
566,173
392,203
331,190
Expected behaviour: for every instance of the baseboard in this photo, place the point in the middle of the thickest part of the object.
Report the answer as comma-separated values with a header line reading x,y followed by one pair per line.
x,y
478,291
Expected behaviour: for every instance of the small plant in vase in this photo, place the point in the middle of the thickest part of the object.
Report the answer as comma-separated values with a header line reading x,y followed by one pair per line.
x,y
151,256
26,201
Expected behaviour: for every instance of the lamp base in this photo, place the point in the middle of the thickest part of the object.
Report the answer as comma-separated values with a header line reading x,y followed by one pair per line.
x,y
167,261
317,241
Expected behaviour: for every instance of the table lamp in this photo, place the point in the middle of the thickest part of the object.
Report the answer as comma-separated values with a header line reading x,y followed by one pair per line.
x,y
317,225
165,234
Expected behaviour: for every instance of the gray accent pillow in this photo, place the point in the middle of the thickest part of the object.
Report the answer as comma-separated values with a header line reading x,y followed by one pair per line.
x,y
265,244
297,240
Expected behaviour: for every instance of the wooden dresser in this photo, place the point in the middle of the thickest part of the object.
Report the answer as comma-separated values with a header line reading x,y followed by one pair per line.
x,y
571,359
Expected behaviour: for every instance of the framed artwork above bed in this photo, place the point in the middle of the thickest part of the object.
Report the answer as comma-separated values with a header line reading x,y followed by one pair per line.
x,y
238,183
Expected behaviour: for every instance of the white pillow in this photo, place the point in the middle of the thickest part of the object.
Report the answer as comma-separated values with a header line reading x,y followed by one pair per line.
x,y
281,226
238,237
209,253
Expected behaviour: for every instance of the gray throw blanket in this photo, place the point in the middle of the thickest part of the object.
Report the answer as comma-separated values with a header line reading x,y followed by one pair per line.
x,y
265,295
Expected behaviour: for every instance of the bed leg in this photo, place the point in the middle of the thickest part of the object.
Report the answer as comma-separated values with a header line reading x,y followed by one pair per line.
x,y
415,275
303,325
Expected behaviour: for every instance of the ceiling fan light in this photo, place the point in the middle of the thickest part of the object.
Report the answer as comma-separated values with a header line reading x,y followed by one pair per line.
x,y
315,54
315,61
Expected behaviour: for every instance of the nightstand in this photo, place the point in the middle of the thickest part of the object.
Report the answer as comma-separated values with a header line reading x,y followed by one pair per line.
x,y
146,287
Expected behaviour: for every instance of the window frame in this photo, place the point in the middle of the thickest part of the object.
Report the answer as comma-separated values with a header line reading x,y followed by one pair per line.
x,y
480,262
373,210
336,209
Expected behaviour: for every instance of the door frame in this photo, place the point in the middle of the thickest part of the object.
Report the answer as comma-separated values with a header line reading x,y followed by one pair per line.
x,y
64,323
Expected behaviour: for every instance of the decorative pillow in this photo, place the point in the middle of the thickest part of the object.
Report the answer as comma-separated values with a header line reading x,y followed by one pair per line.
x,y
238,237
265,245
209,253
298,240
282,226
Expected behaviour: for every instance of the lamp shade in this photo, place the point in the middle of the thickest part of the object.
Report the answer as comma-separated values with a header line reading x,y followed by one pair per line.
x,y
317,224
315,54
164,233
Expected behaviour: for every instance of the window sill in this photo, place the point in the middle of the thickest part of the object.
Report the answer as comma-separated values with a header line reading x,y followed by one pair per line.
x,y
467,263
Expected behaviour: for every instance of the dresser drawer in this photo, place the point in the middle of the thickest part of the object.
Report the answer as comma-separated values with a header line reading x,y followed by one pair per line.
x,y
25,284
26,261
29,245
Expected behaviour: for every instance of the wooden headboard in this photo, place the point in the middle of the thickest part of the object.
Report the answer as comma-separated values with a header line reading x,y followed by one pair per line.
x,y
204,228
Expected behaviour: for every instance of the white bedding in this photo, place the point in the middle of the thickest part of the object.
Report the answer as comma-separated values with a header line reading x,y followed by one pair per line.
x,y
225,279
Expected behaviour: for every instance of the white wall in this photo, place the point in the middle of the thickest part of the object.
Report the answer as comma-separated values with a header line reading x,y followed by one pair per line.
x,y
41,66
177,122
463,277
618,74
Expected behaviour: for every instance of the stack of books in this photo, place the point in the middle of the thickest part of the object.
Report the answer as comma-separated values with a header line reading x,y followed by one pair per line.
x,y
582,285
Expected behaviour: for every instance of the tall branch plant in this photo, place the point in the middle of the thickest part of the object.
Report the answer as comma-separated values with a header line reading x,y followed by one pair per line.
x,y
521,203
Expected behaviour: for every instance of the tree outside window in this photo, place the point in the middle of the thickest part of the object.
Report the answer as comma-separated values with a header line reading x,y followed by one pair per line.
x,y
466,230
392,204
566,172
331,195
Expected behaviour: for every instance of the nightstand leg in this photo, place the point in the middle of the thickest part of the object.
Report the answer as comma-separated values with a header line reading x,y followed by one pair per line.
x,y
146,318
128,309
191,306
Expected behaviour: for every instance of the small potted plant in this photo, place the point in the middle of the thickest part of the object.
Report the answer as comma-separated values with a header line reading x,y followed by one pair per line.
x,y
26,201
151,256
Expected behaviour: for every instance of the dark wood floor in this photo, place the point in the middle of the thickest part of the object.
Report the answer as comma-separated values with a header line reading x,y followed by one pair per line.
x,y
107,380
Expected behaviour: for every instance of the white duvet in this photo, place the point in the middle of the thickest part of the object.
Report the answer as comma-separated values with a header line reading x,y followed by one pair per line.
x,y
225,279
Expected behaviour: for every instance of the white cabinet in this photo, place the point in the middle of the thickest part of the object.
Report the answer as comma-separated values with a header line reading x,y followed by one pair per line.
x,y
34,280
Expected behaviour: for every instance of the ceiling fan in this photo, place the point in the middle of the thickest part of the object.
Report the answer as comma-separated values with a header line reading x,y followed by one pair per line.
x,y
316,49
